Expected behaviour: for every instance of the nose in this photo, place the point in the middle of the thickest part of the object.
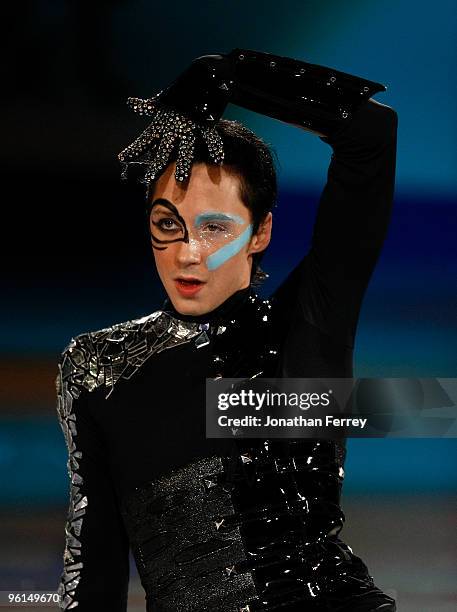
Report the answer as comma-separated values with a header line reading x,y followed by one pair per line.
x,y
189,253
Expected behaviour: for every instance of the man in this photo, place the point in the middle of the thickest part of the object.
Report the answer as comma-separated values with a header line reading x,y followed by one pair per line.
x,y
251,526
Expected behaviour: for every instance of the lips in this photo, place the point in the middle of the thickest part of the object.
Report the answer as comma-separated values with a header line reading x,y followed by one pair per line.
x,y
188,286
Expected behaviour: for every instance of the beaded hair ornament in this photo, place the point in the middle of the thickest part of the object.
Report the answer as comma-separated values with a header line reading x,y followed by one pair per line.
x,y
169,130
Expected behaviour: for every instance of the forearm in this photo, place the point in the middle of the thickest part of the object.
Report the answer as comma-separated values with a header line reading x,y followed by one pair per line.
x,y
316,98
96,565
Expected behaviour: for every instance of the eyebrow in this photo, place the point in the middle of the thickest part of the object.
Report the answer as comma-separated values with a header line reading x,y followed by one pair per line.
x,y
218,216
162,201
164,211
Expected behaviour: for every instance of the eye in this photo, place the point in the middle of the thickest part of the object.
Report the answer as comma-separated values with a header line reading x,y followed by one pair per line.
x,y
167,224
214,228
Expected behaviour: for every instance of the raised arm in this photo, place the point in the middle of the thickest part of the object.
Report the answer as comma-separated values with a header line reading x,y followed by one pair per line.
x,y
96,557
325,291
327,287
321,298
352,221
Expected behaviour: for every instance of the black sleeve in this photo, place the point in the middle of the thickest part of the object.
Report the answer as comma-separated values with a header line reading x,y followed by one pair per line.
x,y
96,557
322,296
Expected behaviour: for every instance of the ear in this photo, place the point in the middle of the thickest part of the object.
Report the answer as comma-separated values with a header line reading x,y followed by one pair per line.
x,y
261,239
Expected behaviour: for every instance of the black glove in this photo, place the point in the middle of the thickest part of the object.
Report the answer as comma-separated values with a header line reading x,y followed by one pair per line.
x,y
315,97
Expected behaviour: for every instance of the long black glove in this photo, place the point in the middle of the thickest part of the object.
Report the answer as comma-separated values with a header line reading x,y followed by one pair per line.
x,y
314,97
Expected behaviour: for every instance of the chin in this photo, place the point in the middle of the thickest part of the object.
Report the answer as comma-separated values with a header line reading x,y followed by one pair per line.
x,y
190,306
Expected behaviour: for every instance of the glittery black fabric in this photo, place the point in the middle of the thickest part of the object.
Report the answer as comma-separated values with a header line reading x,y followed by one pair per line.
x,y
184,551
248,530
257,531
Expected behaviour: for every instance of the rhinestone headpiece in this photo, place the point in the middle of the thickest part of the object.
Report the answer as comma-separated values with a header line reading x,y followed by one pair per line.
x,y
168,130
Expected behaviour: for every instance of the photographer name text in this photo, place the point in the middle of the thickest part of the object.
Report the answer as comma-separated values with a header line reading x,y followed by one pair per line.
x,y
297,421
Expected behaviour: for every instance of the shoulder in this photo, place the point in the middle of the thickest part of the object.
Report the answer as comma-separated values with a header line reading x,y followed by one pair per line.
x,y
100,358
88,342
82,360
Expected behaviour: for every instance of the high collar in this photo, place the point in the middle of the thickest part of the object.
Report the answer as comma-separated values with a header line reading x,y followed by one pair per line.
x,y
225,311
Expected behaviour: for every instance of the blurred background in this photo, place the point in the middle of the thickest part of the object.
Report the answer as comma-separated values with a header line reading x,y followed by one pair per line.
x,y
77,254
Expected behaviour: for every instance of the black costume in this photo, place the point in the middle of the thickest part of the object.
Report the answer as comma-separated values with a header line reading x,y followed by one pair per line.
x,y
214,524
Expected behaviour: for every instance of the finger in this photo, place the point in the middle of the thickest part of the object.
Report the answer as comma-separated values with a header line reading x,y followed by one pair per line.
x,y
214,144
185,156
139,145
141,106
160,156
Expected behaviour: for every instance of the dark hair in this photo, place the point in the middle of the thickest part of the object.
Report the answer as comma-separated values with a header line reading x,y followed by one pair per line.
x,y
251,159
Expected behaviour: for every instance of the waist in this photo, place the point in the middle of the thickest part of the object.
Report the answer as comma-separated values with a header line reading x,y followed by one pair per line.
x,y
217,535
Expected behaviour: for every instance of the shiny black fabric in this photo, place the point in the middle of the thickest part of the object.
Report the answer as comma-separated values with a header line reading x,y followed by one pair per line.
x,y
248,529
291,90
212,525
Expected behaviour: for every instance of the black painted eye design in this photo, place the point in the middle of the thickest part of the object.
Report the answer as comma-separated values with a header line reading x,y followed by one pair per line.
x,y
165,228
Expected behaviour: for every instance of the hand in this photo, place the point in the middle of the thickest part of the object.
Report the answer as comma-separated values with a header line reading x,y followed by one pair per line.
x,y
203,90
186,110
168,130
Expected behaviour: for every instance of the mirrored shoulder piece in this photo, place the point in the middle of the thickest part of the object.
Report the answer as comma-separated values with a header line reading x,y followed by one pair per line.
x,y
103,357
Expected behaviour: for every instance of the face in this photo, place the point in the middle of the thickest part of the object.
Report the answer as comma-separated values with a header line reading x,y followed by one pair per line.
x,y
202,240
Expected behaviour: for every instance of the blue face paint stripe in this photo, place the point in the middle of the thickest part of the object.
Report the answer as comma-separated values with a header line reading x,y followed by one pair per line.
x,y
220,256
217,216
